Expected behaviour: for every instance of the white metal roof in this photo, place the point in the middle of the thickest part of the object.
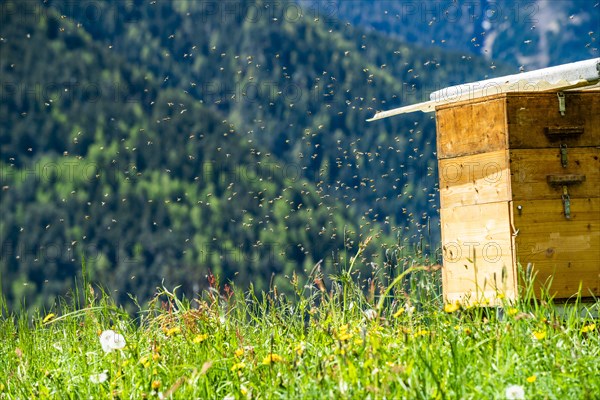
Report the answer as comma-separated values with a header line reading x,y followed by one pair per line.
x,y
581,74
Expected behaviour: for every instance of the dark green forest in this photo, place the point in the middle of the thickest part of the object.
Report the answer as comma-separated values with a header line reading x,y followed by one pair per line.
x,y
161,142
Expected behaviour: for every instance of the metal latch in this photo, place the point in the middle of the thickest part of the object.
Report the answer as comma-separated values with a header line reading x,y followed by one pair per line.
x,y
564,181
566,202
564,160
561,103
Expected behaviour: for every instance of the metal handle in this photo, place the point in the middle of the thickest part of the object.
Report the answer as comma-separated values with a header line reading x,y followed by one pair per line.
x,y
561,103
564,156
566,179
566,202
559,132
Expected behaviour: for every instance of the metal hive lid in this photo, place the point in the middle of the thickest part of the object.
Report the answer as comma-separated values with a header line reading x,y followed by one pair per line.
x,y
579,74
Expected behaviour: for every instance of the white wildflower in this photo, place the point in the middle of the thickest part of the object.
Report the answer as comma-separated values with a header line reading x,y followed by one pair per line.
x,y
110,340
99,378
370,314
515,392
343,386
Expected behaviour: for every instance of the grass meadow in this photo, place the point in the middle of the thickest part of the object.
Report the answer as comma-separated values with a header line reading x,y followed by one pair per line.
x,y
329,339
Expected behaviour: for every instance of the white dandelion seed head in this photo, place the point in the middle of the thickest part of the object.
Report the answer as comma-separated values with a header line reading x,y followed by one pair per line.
x,y
343,386
99,378
370,314
110,340
515,392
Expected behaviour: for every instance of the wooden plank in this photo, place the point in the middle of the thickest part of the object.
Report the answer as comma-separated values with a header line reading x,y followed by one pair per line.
x,y
483,231
486,298
530,115
478,252
471,128
564,251
534,212
565,283
476,179
530,169
494,95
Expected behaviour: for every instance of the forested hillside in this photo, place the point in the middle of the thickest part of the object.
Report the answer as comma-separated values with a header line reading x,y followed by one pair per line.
x,y
527,34
166,140
100,162
301,84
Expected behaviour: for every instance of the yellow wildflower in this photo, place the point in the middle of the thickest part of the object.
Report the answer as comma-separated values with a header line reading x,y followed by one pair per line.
x,y
239,352
343,333
145,361
399,312
531,379
272,358
539,335
299,349
155,385
237,366
172,331
512,311
588,328
155,356
48,317
452,307
422,332
200,338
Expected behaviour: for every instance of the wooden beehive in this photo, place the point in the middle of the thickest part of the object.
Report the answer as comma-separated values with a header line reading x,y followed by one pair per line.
x,y
520,183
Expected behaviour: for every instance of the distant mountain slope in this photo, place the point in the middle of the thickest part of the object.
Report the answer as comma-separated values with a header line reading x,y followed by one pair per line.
x,y
532,33
302,87
164,139
100,164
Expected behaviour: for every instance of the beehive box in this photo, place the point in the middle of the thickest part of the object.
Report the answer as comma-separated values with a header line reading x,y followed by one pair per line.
x,y
520,183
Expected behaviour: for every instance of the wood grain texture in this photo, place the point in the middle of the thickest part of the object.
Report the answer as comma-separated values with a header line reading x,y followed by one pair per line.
x,y
501,188
476,179
530,114
517,120
472,128
478,255
530,169
566,252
